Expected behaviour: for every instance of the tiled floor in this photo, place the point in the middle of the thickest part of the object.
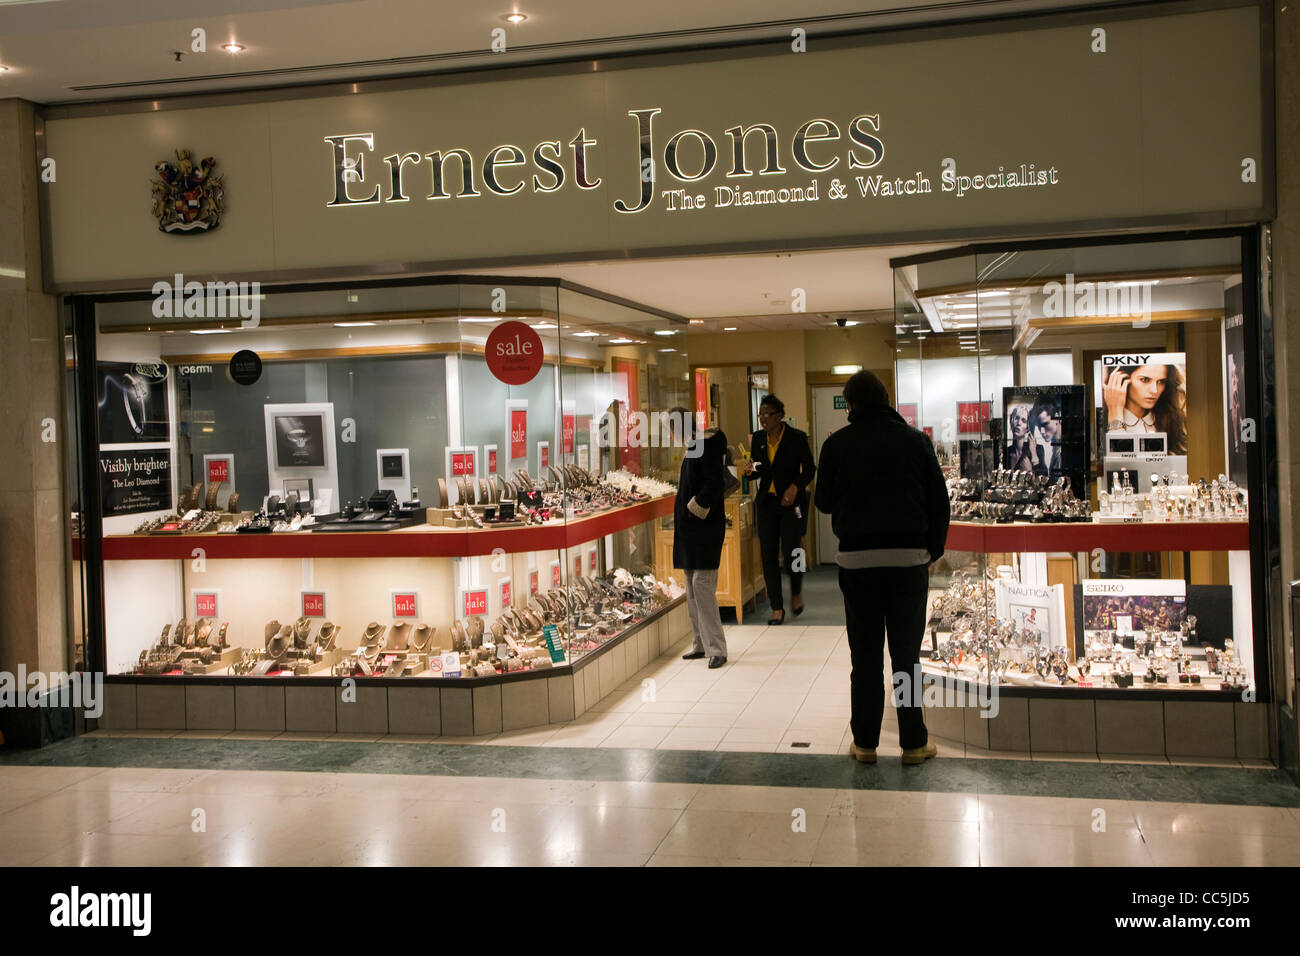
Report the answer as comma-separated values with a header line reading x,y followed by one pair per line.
x,y
129,816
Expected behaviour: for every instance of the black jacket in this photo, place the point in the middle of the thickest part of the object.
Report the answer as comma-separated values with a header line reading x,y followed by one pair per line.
x,y
697,542
880,482
793,465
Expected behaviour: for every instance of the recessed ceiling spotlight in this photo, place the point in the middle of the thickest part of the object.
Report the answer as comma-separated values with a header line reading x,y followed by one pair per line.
x,y
729,328
515,17
667,350
233,47
665,331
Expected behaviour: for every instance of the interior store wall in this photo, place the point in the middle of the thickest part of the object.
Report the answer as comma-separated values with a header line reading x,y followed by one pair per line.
x,y
782,352
869,345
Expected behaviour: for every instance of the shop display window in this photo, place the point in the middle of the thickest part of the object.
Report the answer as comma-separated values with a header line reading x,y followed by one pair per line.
x,y
1090,408
449,479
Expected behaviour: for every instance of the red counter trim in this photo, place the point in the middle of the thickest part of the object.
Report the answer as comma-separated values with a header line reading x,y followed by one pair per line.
x,y
419,542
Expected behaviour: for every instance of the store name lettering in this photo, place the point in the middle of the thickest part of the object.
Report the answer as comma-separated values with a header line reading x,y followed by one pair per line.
x,y
1125,359
688,155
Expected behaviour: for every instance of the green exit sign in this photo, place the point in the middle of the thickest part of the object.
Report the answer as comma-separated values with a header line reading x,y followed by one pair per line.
x,y
840,402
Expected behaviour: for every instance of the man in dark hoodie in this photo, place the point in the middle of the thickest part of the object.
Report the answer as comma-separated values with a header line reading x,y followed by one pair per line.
x,y
880,482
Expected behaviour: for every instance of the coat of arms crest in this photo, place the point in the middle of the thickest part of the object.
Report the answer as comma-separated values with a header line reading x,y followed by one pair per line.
x,y
186,196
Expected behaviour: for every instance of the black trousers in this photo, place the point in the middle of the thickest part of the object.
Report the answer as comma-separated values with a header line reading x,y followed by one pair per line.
x,y
880,604
780,531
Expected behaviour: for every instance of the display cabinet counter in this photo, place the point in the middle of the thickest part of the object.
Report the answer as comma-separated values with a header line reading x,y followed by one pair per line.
x,y
1085,536
418,541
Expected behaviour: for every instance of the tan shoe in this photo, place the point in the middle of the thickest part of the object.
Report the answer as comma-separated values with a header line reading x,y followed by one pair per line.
x,y
862,754
919,755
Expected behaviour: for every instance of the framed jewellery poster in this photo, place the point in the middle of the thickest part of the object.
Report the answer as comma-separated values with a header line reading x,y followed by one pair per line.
x,y
132,402
300,443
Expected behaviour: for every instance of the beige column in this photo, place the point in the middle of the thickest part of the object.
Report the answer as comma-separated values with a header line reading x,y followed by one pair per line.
x,y
33,509
1286,292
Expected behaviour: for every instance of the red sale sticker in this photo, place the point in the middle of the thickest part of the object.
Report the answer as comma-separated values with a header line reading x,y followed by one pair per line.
x,y
518,433
405,604
218,471
205,604
313,604
476,602
514,353
532,582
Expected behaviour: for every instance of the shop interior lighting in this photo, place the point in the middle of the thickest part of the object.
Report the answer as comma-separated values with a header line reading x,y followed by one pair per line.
x,y
210,331
665,331
620,341
845,369
352,325
544,325
585,335
515,17
233,47
729,328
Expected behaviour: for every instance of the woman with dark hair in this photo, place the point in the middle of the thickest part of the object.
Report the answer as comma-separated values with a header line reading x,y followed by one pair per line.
x,y
783,459
1148,398
699,527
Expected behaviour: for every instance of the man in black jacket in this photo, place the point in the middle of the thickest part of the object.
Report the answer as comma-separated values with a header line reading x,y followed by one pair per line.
x,y
880,482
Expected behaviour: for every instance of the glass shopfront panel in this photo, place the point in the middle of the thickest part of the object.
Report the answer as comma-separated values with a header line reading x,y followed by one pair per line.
x,y
1088,404
422,481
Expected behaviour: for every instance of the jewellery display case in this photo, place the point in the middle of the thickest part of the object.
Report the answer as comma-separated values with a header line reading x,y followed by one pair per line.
x,y
433,484
1092,407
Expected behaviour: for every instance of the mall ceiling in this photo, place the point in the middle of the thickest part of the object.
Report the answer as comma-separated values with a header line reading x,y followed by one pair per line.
x,y
61,51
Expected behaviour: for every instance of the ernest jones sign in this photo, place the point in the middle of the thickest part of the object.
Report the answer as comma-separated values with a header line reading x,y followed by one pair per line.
x,y
896,137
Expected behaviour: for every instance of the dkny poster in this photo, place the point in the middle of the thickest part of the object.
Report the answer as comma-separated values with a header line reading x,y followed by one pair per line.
x,y
134,482
132,402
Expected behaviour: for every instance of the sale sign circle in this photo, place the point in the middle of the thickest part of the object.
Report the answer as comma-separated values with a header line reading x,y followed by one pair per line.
x,y
514,353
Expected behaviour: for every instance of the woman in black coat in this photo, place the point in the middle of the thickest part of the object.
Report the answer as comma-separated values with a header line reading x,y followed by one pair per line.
x,y
782,465
700,524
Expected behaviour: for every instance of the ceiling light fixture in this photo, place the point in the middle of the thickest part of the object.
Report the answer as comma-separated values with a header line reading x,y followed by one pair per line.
x,y
665,331
352,325
620,341
210,331
543,325
729,328
667,350
585,335
4,69
845,369
233,47
515,17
